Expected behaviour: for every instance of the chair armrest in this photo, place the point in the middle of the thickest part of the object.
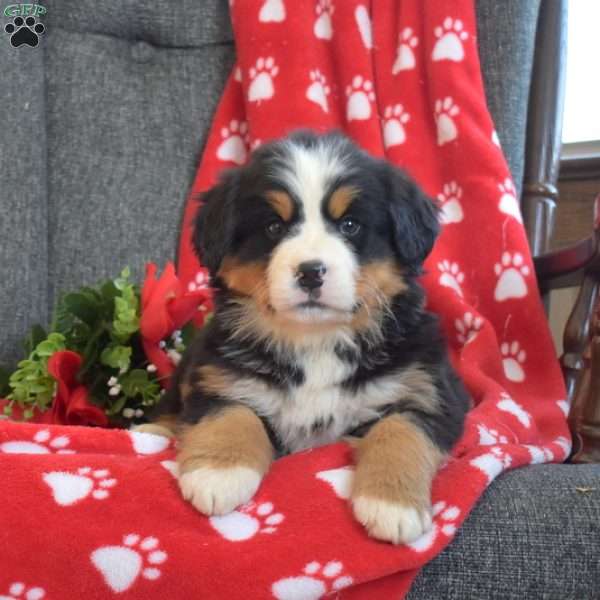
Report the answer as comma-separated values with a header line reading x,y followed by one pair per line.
x,y
579,265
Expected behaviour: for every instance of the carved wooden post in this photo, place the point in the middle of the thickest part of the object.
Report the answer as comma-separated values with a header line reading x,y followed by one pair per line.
x,y
581,361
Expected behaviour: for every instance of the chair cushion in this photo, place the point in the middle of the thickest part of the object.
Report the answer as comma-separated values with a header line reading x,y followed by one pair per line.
x,y
534,534
130,98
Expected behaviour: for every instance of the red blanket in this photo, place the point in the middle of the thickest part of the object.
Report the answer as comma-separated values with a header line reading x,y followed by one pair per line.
x,y
98,514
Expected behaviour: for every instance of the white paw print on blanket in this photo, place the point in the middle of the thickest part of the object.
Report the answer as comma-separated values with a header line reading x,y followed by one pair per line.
x,y
340,480
449,198
363,22
493,462
405,57
148,443
19,591
543,454
507,404
565,444
394,131
244,523
451,276
122,565
323,28
43,443
444,523
236,142
272,11
513,357
318,90
69,488
261,75
539,454
445,112
450,37
316,581
564,406
360,99
490,437
467,327
511,272
509,204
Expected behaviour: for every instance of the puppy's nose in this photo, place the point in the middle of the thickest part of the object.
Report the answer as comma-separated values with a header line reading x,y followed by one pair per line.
x,y
310,274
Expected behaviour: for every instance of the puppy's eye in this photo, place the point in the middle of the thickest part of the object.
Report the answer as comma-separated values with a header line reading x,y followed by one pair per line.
x,y
349,226
275,229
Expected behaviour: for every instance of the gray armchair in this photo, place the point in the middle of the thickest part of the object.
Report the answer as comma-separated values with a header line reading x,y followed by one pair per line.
x,y
104,126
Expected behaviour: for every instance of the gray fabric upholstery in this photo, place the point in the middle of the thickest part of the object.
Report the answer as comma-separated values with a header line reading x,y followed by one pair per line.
x,y
106,123
506,41
532,535
23,197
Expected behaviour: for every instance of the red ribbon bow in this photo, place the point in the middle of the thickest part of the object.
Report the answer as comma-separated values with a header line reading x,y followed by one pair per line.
x,y
167,305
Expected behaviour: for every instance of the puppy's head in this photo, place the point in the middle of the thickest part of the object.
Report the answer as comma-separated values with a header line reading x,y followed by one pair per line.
x,y
314,231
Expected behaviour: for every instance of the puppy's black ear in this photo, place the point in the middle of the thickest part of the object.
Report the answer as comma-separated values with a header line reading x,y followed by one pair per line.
x,y
214,225
414,218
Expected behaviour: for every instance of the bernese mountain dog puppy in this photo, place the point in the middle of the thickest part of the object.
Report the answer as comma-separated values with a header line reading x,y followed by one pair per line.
x,y
319,334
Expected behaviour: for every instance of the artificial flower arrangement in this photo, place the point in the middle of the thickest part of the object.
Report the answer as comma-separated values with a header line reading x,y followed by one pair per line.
x,y
109,352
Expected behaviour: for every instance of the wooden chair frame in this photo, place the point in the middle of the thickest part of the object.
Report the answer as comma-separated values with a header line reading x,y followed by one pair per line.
x,y
576,265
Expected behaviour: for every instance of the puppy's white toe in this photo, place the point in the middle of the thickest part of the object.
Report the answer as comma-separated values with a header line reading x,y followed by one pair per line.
x,y
219,491
153,428
391,521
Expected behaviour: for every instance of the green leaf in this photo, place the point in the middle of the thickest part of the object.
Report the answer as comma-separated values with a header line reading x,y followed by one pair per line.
x,y
35,337
4,379
188,331
134,382
116,356
84,306
117,406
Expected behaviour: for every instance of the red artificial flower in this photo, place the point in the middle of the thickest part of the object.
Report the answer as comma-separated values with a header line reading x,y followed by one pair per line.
x,y
167,305
71,405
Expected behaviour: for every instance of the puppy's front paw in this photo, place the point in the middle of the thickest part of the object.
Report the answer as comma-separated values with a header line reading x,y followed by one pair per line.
x,y
392,521
219,491
153,428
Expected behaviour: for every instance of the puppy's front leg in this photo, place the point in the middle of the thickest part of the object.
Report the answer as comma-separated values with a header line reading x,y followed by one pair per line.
x,y
222,460
391,493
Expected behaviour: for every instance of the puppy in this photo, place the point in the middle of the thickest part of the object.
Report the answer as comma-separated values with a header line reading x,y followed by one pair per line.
x,y
319,332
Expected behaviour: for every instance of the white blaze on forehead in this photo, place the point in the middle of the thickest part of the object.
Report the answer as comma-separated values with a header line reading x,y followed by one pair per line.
x,y
308,173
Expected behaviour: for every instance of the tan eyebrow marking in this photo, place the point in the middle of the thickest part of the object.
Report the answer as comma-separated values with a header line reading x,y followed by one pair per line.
x,y
340,200
281,203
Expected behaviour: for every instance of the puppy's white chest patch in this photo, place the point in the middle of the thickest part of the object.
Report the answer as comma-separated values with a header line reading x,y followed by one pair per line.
x,y
321,410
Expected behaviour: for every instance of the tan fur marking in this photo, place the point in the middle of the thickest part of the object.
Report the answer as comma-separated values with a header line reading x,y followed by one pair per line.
x,y
247,279
396,462
282,204
185,389
234,437
376,285
340,201
215,380
421,388
380,278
